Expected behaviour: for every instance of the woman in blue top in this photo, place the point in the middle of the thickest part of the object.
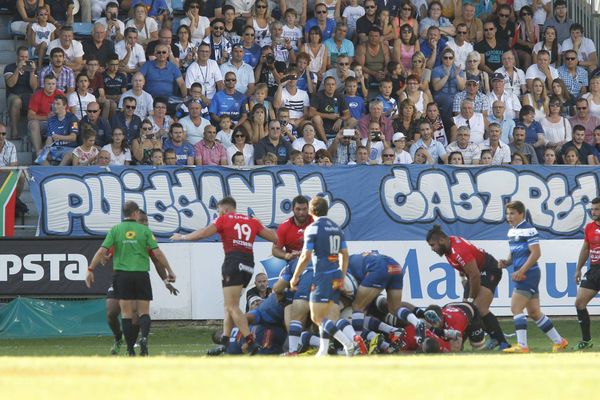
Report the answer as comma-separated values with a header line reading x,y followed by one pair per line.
x,y
446,80
524,255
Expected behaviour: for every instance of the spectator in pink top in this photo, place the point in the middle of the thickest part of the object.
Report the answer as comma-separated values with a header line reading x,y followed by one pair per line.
x,y
208,150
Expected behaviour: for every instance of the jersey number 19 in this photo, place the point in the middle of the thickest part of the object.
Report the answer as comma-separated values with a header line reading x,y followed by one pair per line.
x,y
244,231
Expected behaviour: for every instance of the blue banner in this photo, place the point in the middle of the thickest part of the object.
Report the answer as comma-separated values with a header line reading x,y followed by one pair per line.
x,y
369,202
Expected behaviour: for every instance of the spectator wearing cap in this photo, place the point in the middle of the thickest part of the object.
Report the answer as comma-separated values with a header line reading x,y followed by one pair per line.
x,y
469,150
243,72
471,119
512,105
560,20
401,155
480,101
518,145
585,47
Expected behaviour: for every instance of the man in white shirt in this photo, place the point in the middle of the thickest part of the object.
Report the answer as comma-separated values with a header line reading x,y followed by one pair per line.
x,y
460,46
144,100
514,78
72,48
130,52
510,100
243,72
500,150
205,71
193,124
476,123
542,70
289,96
585,47
470,151
115,28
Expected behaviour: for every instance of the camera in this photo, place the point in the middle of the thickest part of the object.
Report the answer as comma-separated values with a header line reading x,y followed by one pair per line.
x,y
376,136
270,59
288,78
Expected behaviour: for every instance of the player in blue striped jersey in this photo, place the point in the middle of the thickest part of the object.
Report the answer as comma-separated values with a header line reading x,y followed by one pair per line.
x,y
324,242
524,255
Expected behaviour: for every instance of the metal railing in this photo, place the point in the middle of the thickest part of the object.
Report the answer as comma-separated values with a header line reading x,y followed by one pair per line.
x,y
587,13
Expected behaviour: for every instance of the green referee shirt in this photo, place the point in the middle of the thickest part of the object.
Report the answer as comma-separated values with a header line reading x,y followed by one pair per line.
x,y
131,241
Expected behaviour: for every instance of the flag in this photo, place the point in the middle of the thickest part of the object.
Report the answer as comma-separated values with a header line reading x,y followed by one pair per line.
x,y
8,198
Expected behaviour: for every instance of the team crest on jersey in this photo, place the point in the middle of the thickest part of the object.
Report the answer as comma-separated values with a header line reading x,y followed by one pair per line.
x,y
337,284
394,269
130,235
332,258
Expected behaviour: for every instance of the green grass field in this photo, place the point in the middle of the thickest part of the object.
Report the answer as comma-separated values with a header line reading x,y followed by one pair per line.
x,y
33,369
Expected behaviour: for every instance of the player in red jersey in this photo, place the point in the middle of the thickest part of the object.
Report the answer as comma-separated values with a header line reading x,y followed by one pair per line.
x,y
290,240
482,272
457,321
431,343
238,233
590,284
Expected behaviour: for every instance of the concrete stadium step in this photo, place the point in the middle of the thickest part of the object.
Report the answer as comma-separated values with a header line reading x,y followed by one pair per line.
x,y
4,26
24,158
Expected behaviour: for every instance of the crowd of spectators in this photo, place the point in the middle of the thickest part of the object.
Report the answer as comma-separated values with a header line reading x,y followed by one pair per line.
x,y
262,82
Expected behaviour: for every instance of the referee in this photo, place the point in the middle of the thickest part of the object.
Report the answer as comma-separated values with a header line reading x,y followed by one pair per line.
x,y
131,281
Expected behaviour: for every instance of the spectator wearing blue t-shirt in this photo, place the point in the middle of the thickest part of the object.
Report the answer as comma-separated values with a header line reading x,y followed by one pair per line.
x,y
183,149
338,45
326,25
161,73
356,104
227,101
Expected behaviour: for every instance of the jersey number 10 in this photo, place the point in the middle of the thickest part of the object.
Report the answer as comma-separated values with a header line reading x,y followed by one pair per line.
x,y
334,244
244,231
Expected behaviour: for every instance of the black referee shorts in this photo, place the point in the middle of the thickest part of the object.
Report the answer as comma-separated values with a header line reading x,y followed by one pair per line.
x,y
132,285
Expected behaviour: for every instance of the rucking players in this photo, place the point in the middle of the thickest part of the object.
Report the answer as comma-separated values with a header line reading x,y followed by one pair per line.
x,y
524,255
290,239
482,272
457,321
238,233
131,281
324,242
374,272
590,284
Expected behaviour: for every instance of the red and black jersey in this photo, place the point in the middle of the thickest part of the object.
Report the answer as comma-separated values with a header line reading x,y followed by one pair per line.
x,y
463,252
592,238
409,340
238,232
455,318
290,237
